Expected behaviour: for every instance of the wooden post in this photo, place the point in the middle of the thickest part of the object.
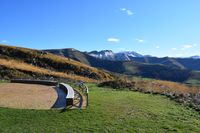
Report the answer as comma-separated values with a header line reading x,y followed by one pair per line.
x,y
87,96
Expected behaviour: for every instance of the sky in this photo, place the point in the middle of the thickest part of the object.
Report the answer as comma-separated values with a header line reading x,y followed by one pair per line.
x,y
149,27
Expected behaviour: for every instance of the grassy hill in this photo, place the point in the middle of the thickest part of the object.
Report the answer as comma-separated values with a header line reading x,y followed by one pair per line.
x,y
108,111
19,62
157,71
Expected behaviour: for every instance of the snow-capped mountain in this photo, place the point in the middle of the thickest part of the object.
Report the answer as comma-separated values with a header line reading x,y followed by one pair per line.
x,y
110,55
195,57
127,55
104,54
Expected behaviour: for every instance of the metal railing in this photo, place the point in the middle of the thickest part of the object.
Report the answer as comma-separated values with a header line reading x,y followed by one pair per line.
x,y
84,90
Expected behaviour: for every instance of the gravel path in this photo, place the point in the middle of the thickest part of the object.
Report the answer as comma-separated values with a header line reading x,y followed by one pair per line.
x,y
27,96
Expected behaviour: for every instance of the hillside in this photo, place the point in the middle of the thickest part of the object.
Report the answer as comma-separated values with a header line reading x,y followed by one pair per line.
x,y
19,62
157,71
108,111
182,63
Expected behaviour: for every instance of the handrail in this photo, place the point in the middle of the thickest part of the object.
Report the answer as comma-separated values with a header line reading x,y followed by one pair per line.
x,y
85,90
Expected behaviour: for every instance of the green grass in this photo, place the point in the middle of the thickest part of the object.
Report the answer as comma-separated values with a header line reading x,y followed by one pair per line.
x,y
193,82
109,111
4,81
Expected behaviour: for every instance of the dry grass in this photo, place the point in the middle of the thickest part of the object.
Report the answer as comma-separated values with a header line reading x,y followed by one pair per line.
x,y
52,59
48,56
164,87
79,65
13,64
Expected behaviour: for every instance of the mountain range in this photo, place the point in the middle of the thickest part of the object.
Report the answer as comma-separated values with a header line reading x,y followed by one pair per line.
x,y
110,55
195,57
72,64
191,63
174,69
123,55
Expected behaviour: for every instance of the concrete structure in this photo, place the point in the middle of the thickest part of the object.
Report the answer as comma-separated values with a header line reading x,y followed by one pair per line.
x,y
70,93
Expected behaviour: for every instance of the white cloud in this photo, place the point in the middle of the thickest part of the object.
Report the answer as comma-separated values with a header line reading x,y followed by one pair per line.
x,y
123,9
188,46
195,45
139,40
157,47
4,41
185,47
113,40
174,49
127,11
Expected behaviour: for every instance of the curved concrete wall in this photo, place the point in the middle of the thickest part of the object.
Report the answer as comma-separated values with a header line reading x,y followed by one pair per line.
x,y
42,82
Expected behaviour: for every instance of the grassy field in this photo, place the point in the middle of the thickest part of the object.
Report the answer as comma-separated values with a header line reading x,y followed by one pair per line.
x,y
4,81
193,82
109,111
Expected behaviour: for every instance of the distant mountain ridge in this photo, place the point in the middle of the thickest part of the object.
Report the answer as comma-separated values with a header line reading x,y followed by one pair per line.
x,y
110,55
150,67
126,55
191,63
195,57
104,54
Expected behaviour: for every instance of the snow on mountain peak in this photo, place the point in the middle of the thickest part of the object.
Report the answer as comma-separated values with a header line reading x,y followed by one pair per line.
x,y
110,55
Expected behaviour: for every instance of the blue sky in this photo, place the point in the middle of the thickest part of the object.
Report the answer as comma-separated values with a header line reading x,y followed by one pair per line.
x,y
154,27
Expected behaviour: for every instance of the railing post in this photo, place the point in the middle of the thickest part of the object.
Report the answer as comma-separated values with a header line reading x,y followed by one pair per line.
x,y
87,96
85,91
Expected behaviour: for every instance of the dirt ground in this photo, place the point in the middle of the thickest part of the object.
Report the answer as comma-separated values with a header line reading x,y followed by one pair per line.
x,y
27,96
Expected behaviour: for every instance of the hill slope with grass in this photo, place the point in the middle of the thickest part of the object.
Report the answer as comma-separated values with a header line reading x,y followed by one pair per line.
x,y
108,111
132,68
16,62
